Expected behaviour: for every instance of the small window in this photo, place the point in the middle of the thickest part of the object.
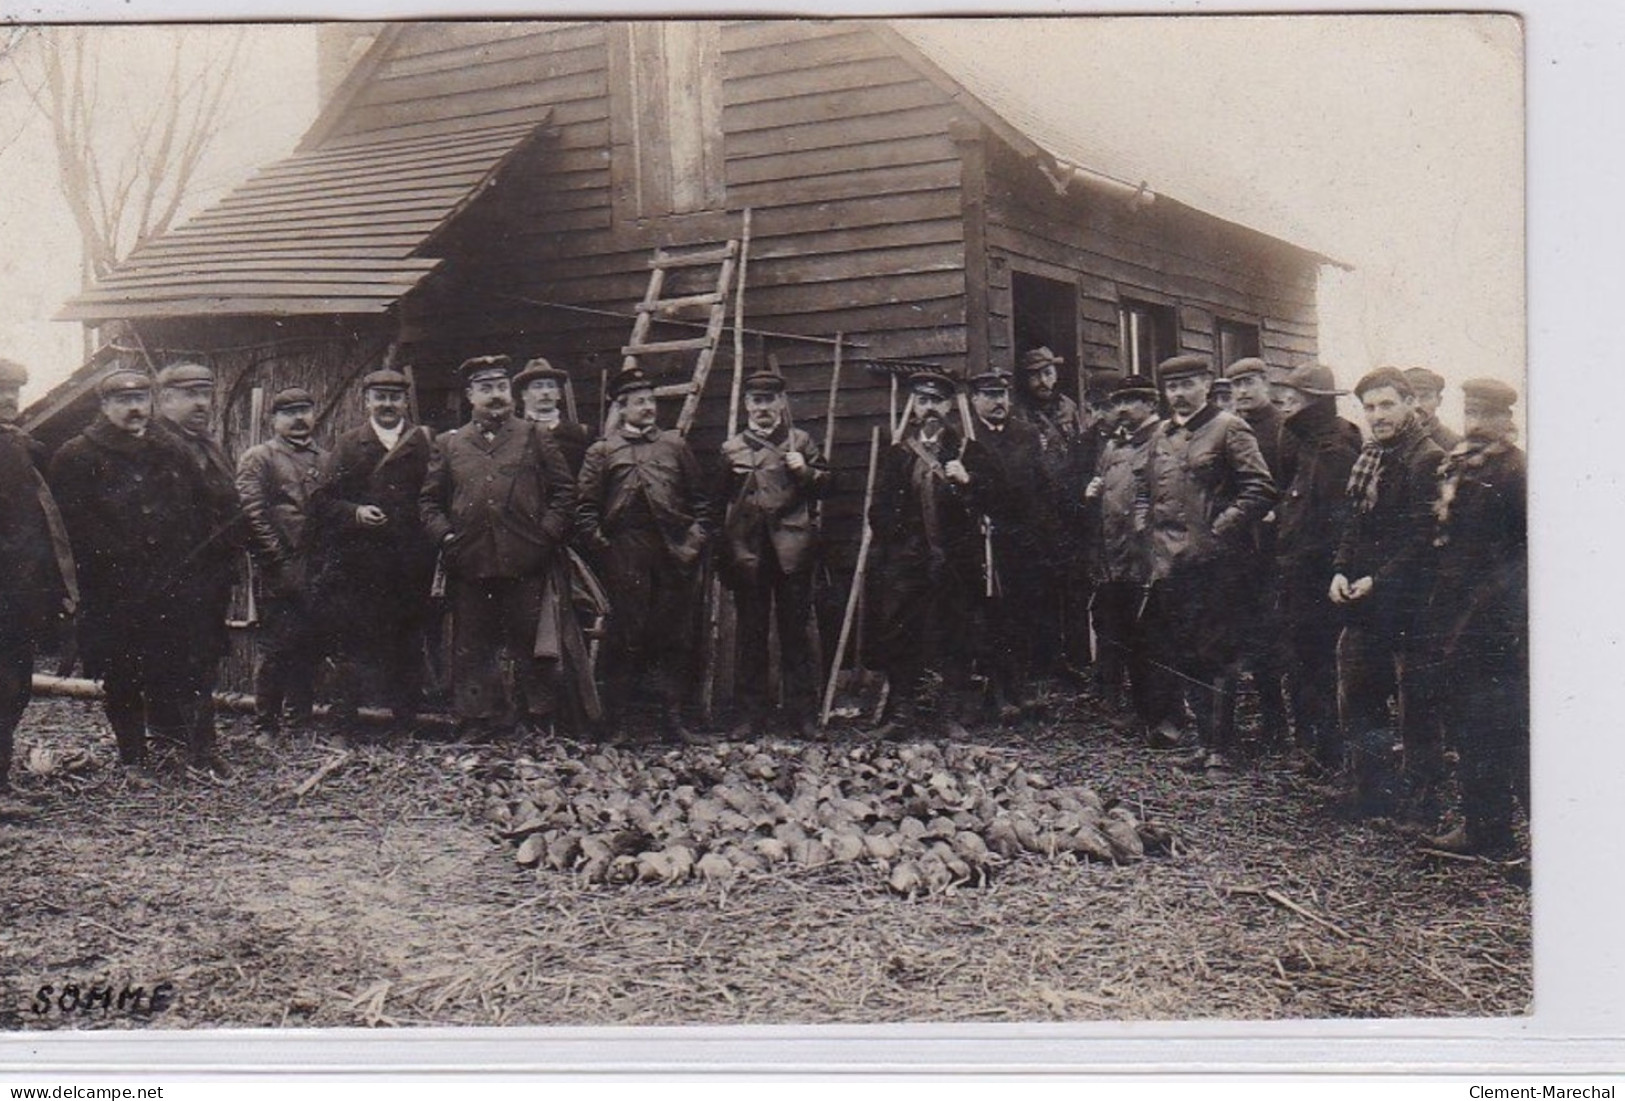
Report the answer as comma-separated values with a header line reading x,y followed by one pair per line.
x,y
1148,333
673,110
1236,340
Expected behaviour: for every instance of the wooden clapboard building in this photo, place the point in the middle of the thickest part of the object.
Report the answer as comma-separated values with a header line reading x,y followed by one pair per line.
x,y
475,188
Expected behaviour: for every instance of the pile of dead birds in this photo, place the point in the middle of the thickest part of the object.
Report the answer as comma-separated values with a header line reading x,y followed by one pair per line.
x,y
925,818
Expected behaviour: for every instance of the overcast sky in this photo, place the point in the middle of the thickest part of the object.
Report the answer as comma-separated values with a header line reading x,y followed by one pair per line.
x,y
1392,142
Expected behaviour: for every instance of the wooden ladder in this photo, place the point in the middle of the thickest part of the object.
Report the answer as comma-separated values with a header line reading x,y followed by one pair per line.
x,y
654,308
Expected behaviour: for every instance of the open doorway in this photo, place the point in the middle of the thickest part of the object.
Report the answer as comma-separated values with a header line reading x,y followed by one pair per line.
x,y
1044,314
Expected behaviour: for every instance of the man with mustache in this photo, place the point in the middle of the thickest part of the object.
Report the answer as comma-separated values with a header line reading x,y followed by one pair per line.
x,y
1382,573
1209,486
498,501
928,563
646,514
775,473
372,564
540,389
130,500
186,393
1428,386
275,481
38,580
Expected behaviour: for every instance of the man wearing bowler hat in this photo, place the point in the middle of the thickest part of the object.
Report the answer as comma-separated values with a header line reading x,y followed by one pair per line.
x,y
1318,449
498,501
372,565
38,581
775,473
539,388
1209,487
1428,386
186,398
130,500
928,565
646,514
1479,613
275,481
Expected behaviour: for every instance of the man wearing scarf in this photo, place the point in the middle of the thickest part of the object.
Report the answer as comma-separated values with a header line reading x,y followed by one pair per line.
x,y
928,561
1480,611
645,512
1382,572
775,473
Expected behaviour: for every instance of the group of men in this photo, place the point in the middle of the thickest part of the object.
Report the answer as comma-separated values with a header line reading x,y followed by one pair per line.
x,y
1178,546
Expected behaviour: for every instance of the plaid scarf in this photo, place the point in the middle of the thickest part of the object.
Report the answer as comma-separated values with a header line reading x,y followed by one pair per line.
x,y
1365,480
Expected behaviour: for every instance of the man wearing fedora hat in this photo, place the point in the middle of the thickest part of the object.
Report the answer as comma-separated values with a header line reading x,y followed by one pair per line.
x,y
275,480
130,499
1479,613
1318,449
1209,486
774,475
646,514
186,396
38,581
539,388
930,492
498,501
372,564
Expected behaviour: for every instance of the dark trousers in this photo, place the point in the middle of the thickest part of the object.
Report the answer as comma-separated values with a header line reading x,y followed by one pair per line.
x,y
489,615
148,691
788,598
1486,711
384,663
926,626
1191,639
289,650
1264,648
652,601
210,644
1312,626
1124,646
16,688
1370,676
1010,650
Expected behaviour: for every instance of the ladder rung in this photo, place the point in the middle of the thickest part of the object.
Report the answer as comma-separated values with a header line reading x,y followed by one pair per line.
x,y
710,298
674,390
690,345
693,259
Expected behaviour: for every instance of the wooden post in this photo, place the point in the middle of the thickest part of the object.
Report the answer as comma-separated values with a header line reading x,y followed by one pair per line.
x,y
859,573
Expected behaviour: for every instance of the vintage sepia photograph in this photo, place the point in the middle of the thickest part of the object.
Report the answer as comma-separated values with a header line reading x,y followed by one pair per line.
x,y
763,522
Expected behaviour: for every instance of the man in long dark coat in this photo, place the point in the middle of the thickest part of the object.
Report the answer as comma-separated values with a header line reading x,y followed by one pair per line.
x,y
1318,450
1209,486
372,564
498,501
775,473
1479,614
1382,574
539,389
646,513
274,481
38,582
928,565
130,499
186,393
1015,518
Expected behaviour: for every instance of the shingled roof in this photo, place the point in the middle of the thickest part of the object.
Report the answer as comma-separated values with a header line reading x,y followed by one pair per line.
x,y
333,229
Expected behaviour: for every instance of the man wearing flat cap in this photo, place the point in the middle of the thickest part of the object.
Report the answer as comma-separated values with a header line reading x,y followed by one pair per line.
x,y
931,490
1121,489
372,565
186,396
1428,386
38,581
775,473
1318,449
1209,487
1479,613
1061,637
1020,568
647,516
498,501
275,481
130,499
540,390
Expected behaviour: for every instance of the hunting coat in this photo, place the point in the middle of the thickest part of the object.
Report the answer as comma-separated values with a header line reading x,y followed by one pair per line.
x,y
769,511
632,478
1480,602
1318,450
506,498
1209,486
275,481
32,585
1124,553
